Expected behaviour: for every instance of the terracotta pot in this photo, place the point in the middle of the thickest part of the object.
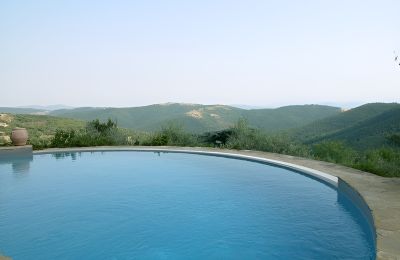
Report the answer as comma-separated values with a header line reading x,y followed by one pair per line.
x,y
19,136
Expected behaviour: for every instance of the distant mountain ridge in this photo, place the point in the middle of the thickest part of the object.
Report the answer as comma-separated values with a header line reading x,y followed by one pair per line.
x,y
33,109
20,110
47,108
199,118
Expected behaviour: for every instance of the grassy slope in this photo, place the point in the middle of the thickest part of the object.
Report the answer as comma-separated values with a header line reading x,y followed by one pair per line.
x,y
288,117
330,125
206,117
362,127
40,127
370,133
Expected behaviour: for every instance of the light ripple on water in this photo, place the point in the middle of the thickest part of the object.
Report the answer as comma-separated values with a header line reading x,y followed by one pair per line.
x,y
124,205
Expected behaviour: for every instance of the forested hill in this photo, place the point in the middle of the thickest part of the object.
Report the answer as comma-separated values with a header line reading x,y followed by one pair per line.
x,y
367,126
199,118
288,117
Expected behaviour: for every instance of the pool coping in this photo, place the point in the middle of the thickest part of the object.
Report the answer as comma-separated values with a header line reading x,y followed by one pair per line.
x,y
381,195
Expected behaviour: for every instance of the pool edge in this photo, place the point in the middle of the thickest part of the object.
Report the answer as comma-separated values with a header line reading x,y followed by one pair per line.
x,y
370,188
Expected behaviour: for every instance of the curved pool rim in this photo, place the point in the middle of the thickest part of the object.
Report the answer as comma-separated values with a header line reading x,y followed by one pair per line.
x,y
319,175
323,177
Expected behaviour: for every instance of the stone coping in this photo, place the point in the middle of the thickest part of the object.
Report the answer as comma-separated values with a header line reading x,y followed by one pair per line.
x,y
15,150
381,194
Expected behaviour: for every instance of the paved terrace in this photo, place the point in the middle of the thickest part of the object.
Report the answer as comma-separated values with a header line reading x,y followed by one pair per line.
x,y
381,194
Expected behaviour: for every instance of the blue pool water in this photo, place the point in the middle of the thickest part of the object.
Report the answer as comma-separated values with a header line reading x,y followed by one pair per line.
x,y
144,205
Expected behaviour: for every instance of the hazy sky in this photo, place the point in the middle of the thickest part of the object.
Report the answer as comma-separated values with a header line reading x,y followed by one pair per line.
x,y
130,53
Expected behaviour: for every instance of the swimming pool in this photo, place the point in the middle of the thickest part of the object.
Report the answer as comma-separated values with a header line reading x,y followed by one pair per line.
x,y
145,205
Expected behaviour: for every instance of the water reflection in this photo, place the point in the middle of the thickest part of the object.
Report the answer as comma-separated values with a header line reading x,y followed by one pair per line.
x,y
73,155
65,155
20,164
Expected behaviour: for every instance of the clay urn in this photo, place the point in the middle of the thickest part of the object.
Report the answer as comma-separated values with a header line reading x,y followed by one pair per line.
x,y
19,136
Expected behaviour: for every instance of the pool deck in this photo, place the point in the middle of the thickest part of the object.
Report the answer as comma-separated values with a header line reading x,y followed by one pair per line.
x,y
381,194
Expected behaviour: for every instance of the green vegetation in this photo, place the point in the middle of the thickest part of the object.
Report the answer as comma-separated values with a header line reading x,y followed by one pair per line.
x,y
41,128
45,131
244,137
365,138
198,119
171,134
370,133
334,151
394,139
384,161
94,134
375,119
288,117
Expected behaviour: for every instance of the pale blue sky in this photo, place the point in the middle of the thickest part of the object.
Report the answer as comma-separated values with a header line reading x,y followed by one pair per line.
x,y
131,53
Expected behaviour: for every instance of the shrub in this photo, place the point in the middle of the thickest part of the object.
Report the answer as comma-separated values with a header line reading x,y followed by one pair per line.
x,y
94,134
394,139
218,138
63,138
171,134
245,137
334,151
384,162
97,127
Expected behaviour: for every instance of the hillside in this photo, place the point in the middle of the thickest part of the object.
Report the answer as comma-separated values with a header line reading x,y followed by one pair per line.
x,y
40,127
288,117
33,109
371,133
194,117
363,127
202,118
349,118
20,110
